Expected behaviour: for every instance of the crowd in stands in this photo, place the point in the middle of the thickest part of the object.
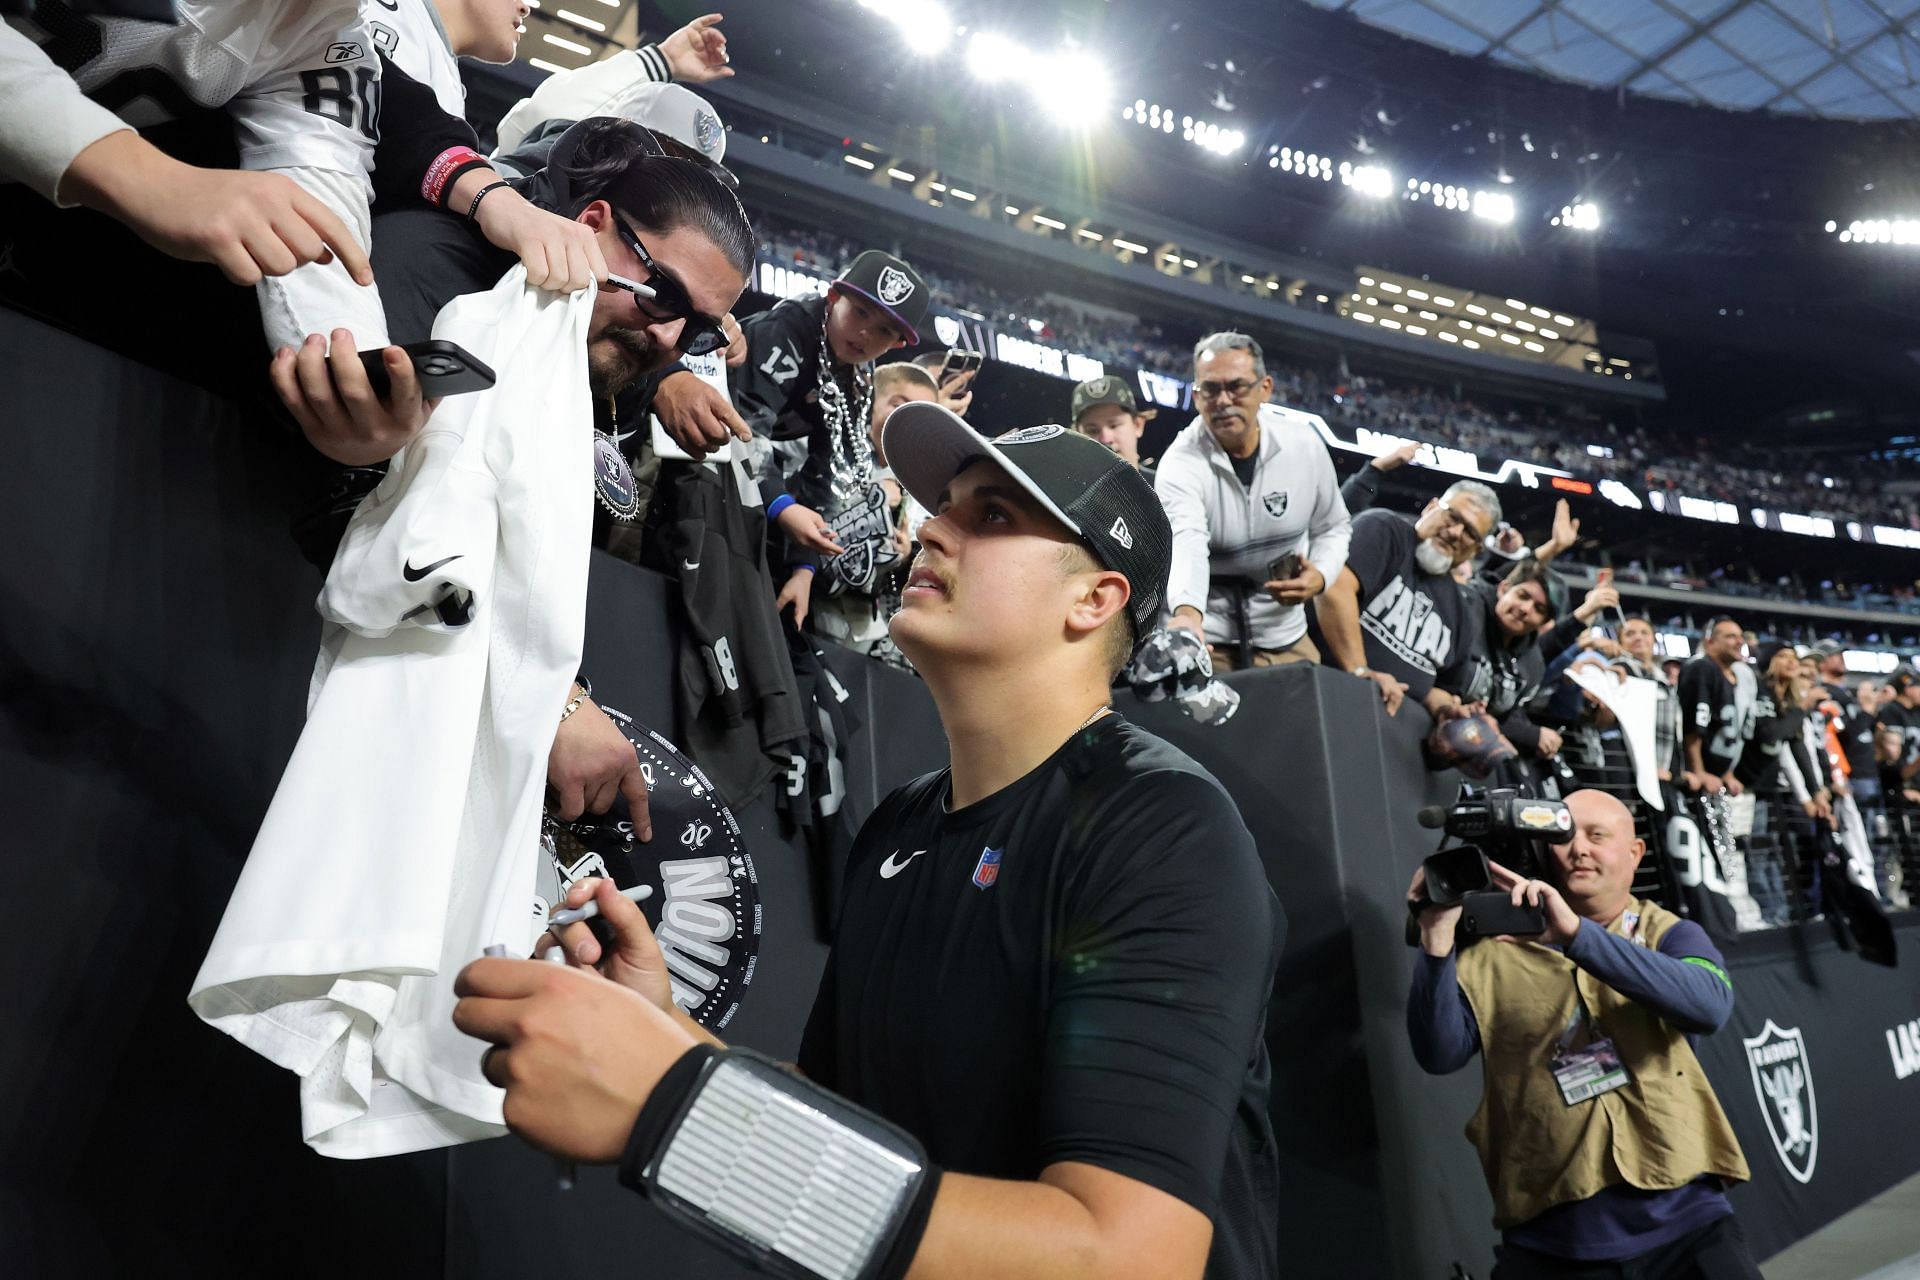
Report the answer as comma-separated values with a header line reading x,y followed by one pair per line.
x,y
745,458
1591,449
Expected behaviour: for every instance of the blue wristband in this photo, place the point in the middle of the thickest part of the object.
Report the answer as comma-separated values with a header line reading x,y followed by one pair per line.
x,y
778,505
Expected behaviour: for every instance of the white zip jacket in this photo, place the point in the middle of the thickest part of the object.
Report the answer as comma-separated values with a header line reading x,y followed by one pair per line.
x,y
1224,528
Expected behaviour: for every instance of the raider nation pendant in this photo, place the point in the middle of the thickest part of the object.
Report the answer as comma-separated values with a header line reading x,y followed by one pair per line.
x,y
613,479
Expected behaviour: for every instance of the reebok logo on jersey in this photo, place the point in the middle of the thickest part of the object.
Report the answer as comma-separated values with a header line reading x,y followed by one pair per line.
x,y
412,574
344,51
892,867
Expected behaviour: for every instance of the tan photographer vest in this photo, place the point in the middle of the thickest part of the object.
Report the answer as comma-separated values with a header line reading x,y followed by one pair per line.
x,y
1662,1130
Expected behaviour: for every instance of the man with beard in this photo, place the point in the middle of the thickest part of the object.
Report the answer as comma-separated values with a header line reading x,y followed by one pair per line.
x,y
661,220
1394,615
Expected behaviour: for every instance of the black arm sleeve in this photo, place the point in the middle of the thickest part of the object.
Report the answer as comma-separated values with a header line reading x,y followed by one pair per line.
x,y
413,131
1362,488
1565,634
1160,988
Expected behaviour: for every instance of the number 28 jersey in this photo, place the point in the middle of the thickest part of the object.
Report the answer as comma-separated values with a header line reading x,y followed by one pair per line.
x,y
1716,710
299,78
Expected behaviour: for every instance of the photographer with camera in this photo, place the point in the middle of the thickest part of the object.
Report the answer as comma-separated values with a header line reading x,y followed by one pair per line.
x,y
1601,1139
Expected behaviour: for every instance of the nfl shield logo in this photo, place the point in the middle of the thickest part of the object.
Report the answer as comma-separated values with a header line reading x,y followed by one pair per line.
x,y
987,870
1783,1082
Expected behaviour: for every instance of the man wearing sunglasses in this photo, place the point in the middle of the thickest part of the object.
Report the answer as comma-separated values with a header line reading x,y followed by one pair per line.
x,y
1394,615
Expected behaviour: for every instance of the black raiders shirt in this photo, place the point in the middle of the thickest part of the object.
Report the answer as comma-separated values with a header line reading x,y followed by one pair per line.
x,y
1075,968
1411,621
1710,711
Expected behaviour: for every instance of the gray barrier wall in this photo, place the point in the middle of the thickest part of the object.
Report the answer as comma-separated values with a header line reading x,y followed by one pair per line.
x,y
156,632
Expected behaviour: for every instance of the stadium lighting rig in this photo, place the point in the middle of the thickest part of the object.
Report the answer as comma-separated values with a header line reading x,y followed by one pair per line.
x,y
1205,134
1578,216
1877,231
925,26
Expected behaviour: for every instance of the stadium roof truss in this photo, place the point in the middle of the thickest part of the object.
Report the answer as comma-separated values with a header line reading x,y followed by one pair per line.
x,y
1838,59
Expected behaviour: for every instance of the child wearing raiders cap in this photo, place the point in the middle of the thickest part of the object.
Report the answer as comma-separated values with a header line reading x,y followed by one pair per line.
x,y
1105,409
1044,1008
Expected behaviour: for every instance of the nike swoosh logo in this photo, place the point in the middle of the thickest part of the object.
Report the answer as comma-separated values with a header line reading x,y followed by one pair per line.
x,y
890,868
412,574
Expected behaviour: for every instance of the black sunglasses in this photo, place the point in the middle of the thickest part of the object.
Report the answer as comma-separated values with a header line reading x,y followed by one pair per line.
x,y
663,298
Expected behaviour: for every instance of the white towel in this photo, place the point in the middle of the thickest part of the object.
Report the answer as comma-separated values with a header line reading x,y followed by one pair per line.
x,y
403,837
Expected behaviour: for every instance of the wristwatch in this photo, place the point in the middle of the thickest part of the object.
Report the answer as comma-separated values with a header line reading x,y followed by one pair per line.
x,y
1365,673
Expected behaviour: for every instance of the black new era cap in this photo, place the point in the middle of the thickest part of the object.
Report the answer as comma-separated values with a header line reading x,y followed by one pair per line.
x,y
892,285
1081,482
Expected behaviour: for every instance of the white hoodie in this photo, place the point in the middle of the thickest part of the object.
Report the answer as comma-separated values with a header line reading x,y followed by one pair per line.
x,y
1224,528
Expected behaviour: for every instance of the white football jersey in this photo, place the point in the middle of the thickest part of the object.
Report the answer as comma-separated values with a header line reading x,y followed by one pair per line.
x,y
410,33
298,77
404,836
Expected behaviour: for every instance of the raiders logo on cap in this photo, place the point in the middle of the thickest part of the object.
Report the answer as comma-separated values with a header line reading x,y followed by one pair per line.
x,y
895,287
1030,435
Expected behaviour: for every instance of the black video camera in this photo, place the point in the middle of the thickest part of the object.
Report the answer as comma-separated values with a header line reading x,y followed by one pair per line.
x,y
1505,823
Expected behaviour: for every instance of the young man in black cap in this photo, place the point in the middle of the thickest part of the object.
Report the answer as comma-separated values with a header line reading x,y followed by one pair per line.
x,y
1053,958
1105,409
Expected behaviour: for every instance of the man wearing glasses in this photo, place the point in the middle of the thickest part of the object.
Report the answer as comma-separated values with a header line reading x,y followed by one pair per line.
x,y
1259,527
1394,615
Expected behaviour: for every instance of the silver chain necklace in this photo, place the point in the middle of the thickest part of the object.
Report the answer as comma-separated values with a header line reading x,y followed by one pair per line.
x,y
1098,711
849,443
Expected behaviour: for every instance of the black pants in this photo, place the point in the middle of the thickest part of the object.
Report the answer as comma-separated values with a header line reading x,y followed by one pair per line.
x,y
1717,1251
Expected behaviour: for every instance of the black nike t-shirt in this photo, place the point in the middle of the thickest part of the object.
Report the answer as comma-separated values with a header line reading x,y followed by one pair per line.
x,y
1076,968
1413,623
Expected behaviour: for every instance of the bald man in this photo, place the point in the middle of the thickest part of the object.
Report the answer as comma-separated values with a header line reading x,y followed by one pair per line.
x,y
1599,1012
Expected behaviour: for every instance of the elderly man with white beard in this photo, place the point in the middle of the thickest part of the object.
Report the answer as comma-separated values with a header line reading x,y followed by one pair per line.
x,y
1394,614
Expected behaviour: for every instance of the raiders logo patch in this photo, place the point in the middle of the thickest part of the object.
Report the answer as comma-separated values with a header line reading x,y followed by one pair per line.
x,y
1031,435
1276,504
894,286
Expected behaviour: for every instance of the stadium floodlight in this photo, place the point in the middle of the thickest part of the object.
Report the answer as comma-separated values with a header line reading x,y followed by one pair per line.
x,y
1494,206
1071,86
1372,180
925,26
993,57
1579,216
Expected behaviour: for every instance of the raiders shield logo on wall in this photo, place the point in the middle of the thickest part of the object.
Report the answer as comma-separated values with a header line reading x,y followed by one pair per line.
x,y
894,286
1783,1082
1276,504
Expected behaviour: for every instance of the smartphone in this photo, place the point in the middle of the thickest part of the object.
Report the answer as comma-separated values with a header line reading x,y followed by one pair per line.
x,y
956,363
1281,568
444,369
1488,913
